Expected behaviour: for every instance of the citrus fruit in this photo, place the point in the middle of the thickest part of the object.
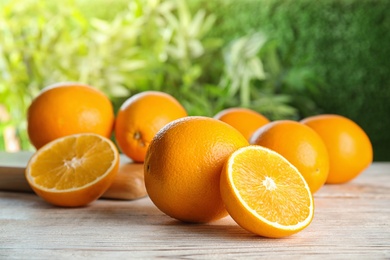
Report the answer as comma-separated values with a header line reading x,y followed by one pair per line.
x,y
300,145
264,193
68,108
139,119
349,147
183,167
74,170
245,120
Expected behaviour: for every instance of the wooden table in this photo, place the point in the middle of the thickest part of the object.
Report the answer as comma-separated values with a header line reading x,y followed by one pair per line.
x,y
352,221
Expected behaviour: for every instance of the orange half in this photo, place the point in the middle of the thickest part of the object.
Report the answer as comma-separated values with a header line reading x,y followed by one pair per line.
x,y
264,193
74,170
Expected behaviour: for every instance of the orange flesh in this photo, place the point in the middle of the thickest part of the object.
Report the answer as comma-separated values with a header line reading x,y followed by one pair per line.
x,y
84,163
271,187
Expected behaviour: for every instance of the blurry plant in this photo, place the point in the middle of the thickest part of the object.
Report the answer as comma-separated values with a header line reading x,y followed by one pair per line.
x,y
151,44
166,47
40,46
242,65
24,61
292,81
264,79
184,55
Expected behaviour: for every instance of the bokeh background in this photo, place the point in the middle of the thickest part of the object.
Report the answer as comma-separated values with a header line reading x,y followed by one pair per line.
x,y
283,58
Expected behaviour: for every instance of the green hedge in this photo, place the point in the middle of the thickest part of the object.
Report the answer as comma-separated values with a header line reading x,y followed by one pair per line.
x,y
345,41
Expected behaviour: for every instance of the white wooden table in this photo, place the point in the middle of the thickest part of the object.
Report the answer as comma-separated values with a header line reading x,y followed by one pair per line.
x,y
352,221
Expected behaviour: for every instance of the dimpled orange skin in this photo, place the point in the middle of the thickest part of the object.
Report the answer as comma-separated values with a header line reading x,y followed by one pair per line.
x,y
183,167
300,145
349,147
245,120
68,108
140,117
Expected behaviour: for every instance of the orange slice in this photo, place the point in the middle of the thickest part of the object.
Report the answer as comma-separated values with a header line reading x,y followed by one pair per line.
x,y
264,193
74,170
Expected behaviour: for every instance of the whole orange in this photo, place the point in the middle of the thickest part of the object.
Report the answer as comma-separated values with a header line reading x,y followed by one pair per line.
x,y
245,120
140,117
349,147
300,145
183,167
68,108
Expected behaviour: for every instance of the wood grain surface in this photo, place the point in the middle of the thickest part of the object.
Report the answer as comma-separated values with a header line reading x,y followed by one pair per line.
x,y
352,221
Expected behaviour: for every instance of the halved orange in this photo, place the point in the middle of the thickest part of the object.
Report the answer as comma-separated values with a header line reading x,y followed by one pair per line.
x,y
74,170
264,193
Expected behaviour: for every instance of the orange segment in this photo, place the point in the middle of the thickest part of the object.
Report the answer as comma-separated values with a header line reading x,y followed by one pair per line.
x,y
264,193
74,170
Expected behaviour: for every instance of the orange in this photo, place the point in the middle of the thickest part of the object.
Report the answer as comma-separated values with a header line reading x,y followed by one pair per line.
x,y
139,119
264,193
349,147
300,145
68,108
245,120
183,167
74,170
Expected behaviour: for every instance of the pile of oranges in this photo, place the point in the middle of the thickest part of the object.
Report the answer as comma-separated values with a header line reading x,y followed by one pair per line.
x,y
196,169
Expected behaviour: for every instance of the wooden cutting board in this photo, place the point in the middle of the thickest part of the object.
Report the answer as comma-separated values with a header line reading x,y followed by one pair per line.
x,y
12,166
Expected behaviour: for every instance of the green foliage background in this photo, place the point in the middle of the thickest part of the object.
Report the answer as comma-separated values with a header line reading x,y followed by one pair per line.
x,y
344,41
283,58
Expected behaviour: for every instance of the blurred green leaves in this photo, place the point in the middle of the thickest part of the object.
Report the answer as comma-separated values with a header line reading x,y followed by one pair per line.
x,y
242,65
148,44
